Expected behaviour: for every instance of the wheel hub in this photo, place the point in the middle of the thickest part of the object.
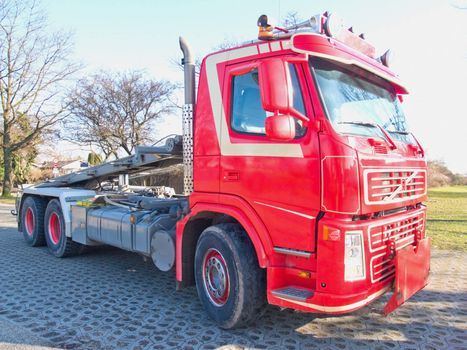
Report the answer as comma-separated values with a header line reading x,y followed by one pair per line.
x,y
216,277
29,221
55,231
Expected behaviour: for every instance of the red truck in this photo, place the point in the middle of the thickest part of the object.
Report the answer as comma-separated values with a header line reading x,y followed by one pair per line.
x,y
303,186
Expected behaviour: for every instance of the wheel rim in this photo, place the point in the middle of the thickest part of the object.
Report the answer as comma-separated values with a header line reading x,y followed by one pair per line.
x,y
216,277
55,231
29,221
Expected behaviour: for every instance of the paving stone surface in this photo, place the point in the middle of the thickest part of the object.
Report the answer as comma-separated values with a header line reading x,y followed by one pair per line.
x,y
111,299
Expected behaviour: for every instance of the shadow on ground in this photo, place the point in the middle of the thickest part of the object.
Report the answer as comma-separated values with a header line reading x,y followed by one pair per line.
x,y
110,299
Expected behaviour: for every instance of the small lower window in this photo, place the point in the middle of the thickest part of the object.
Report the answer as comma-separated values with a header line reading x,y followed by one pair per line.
x,y
248,114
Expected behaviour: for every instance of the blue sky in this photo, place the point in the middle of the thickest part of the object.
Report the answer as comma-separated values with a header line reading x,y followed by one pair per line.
x,y
429,39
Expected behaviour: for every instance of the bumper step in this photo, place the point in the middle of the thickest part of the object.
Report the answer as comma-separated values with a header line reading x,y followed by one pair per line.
x,y
293,293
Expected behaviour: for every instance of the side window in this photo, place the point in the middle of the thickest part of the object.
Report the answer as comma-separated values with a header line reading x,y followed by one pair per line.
x,y
247,113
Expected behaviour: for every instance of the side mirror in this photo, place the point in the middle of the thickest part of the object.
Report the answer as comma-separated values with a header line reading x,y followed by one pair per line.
x,y
274,81
276,88
280,127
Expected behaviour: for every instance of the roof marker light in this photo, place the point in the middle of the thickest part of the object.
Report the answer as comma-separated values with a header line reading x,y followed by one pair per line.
x,y
266,29
333,25
387,58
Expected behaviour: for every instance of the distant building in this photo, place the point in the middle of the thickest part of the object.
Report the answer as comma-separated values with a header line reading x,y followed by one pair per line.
x,y
64,167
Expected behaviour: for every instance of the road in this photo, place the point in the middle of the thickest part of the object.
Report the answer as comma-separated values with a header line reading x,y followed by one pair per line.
x,y
110,299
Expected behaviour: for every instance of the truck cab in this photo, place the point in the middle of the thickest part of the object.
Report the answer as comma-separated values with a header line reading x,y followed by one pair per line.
x,y
302,137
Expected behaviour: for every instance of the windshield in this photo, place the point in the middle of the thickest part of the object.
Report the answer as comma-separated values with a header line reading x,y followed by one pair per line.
x,y
358,102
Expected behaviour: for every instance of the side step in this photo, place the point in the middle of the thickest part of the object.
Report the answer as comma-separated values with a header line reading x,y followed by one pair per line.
x,y
294,293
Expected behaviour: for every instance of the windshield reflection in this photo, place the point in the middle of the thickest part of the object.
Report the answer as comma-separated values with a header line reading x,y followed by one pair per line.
x,y
356,101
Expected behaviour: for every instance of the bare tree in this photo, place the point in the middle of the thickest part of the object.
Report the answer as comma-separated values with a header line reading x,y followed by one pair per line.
x,y
291,19
33,64
116,112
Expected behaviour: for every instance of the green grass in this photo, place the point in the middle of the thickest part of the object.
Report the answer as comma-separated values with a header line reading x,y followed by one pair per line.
x,y
447,217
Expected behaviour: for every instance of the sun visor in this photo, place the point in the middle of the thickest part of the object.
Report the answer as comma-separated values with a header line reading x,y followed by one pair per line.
x,y
320,46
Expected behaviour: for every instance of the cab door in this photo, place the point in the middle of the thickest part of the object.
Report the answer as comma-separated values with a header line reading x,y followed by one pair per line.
x,y
280,180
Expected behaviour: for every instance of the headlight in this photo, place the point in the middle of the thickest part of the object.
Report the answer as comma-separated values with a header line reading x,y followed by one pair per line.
x,y
354,258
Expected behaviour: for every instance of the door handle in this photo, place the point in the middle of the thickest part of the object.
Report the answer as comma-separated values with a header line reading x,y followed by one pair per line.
x,y
231,176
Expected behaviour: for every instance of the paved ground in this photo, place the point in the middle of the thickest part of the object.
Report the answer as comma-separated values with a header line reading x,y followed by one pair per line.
x,y
110,299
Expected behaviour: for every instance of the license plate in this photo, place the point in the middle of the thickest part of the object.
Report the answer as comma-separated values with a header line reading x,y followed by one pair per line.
x,y
412,266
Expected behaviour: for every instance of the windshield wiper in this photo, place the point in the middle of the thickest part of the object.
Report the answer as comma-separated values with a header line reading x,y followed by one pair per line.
x,y
359,123
388,138
399,132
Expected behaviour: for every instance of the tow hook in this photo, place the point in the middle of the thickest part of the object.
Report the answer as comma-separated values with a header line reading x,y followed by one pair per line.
x,y
392,249
14,212
417,237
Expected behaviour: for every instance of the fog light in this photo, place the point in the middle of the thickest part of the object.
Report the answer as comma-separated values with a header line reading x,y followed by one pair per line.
x,y
354,257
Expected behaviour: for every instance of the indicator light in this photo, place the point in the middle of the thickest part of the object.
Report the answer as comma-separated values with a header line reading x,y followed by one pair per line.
x,y
304,274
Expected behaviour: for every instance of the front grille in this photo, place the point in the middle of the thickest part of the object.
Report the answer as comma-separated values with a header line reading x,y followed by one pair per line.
x,y
393,186
402,231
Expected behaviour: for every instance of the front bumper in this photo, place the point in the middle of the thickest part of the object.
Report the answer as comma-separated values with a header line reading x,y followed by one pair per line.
x,y
404,268
326,303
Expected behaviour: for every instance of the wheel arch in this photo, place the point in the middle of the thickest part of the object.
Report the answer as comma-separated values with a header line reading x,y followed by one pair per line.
x,y
204,215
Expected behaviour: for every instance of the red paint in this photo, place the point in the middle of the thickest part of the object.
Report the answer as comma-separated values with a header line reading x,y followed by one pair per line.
x,y
55,231
277,199
29,222
412,269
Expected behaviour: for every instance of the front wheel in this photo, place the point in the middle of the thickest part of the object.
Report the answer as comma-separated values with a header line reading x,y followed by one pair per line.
x,y
54,223
230,283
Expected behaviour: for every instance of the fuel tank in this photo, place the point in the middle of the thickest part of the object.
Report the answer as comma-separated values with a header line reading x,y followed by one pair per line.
x,y
128,228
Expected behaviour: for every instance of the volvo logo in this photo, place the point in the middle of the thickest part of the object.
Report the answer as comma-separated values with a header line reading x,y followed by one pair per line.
x,y
402,187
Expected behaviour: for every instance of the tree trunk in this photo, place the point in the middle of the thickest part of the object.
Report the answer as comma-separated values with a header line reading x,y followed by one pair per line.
x,y
7,172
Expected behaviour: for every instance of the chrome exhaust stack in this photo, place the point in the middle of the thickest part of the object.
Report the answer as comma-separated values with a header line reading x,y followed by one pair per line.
x,y
188,62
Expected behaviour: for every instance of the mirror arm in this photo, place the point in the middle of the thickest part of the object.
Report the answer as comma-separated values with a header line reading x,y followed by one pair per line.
x,y
294,113
299,115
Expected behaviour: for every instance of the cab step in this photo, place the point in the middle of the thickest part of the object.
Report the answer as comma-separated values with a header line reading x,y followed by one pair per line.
x,y
293,293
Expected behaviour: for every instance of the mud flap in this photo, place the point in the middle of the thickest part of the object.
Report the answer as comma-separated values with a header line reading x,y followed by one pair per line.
x,y
412,267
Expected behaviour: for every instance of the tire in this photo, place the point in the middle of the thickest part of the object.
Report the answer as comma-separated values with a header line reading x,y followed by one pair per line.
x,y
230,283
58,243
32,221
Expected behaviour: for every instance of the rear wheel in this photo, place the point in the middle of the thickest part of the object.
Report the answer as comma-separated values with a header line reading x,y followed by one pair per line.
x,y
230,283
32,221
58,243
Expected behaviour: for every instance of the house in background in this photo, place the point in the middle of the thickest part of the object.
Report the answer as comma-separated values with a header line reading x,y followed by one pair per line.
x,y
63,167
